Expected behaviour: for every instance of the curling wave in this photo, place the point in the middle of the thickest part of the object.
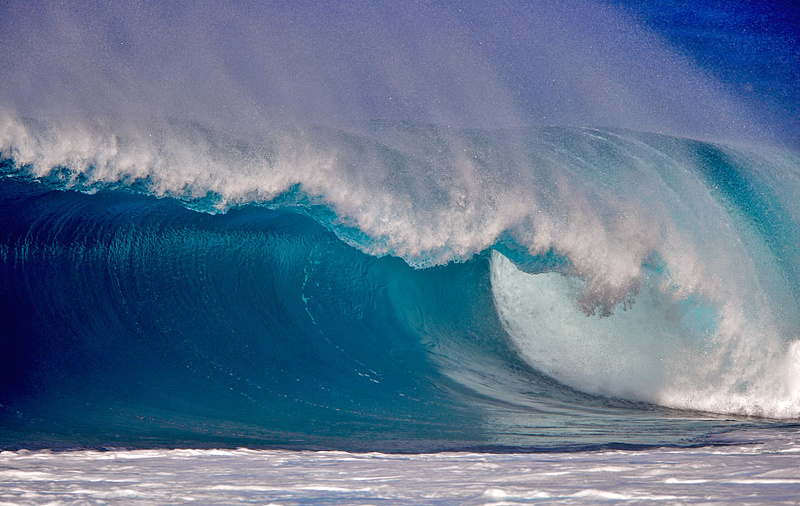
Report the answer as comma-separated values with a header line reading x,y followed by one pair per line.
x,y
392,276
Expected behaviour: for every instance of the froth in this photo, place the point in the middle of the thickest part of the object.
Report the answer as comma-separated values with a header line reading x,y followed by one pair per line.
x,y
668,347
430,195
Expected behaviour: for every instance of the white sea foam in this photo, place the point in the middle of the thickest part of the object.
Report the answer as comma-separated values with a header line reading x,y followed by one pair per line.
x,y
675,350
761,468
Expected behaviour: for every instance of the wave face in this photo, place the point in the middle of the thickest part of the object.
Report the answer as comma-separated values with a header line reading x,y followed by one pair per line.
x,y
393,285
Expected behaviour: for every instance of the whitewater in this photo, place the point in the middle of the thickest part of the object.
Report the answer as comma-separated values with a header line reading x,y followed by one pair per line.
x,y
424,255
760,471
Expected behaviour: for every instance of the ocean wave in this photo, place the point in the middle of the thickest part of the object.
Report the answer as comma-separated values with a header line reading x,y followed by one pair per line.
x,y
371,272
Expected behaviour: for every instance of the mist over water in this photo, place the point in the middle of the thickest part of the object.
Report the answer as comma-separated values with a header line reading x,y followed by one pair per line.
x,y
248,66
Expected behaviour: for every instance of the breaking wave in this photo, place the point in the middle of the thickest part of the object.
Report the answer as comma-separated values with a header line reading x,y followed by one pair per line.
x,y
414,281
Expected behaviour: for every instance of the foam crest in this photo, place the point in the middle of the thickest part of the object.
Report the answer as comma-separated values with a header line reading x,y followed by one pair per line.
x,y
428,194
607,203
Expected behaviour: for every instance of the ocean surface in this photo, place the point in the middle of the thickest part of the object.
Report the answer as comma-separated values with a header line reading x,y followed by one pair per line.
x,y
425,254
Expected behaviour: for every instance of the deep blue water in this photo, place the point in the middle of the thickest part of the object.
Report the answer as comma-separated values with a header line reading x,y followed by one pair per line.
x,y
479,267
